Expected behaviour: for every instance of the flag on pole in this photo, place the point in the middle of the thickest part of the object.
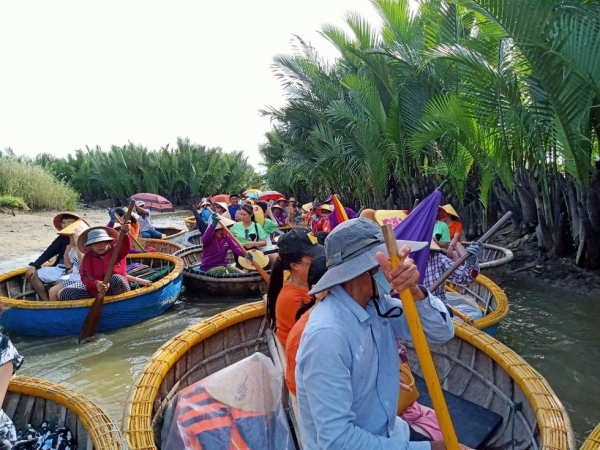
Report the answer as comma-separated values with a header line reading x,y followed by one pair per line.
x,y
340,212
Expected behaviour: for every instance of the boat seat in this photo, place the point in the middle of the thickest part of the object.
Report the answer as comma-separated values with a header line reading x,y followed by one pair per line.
x,y
473,424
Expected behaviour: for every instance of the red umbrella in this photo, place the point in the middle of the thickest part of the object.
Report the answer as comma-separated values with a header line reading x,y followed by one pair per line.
x,y
220,198
270,195
154,202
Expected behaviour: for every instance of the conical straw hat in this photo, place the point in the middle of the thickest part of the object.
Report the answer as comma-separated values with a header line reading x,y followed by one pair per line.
x,y
252,384
76,228
258,256
307,207
450,210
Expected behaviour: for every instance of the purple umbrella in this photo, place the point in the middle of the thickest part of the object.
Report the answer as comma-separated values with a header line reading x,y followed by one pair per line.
x,y
418,226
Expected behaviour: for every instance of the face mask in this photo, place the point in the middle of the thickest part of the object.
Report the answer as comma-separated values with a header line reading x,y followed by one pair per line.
x,y
396,311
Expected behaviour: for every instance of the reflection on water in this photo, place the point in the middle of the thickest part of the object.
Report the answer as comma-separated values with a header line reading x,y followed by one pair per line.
x,y
105,369
558,333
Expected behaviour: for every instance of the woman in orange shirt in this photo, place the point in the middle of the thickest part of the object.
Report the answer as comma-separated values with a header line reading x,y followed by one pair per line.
x,y
296,251
317,269
452,220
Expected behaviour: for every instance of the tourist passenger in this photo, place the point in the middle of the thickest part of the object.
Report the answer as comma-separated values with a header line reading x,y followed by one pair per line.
x,y
147,230
451,219
249,233
441,232
205,204
38,275
321,219
438,263
216,243
234,204
134,219
221,209
279,216
270,224
10,361
296,251
72,261
317,269
97,245
347,368
295,212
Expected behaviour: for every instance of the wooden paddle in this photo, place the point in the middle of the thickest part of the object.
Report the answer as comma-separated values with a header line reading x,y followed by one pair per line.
x,y
262,272
422,349
464,257
90,325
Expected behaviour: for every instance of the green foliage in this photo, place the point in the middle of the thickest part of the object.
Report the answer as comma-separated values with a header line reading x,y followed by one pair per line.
x,y
34,185
13,202
181,174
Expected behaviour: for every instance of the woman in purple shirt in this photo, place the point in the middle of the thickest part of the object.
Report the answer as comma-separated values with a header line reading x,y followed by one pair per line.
x,y
216,243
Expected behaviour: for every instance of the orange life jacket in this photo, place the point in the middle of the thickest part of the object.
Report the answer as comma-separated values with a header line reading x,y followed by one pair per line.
x,y
206,423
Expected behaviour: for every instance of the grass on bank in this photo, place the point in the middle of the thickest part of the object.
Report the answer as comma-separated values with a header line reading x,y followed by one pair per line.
x,y
8,201
32,184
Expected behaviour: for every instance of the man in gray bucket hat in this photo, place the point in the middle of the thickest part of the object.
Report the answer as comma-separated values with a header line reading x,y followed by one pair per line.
x,y
347,366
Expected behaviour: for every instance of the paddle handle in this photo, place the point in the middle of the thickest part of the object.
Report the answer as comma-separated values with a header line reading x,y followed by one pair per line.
x,y
418,335
90,324
262,272
142,247
138,280
464,257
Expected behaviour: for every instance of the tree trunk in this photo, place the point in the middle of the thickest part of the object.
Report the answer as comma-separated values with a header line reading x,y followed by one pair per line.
x,y
571,194
526,200
543,230
588,253
564,242
508,204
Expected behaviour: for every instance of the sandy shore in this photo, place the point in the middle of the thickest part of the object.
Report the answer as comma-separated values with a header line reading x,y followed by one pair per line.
x,y
24,237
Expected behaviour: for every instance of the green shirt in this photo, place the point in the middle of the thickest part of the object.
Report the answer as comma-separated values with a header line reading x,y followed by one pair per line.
x,y
441,228
269,226
239,232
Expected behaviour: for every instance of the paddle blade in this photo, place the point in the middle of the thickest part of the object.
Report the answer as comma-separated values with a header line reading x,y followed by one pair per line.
x,y
90,324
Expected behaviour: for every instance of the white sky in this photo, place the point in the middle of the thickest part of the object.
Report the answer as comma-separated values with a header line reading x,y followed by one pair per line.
x,y
77,73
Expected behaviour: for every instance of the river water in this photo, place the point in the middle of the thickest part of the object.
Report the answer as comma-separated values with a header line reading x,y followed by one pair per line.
x,y
555,331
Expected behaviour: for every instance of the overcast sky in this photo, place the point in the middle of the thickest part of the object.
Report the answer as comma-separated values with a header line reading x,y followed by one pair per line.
x,y
77,73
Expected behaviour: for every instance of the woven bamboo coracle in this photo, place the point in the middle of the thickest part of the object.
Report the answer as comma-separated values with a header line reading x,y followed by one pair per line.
x,y
33,401
472,365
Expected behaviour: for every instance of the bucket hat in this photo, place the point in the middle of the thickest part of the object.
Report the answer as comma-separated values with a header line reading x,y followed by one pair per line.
x,y
140,203
96,234
300,240
350,250
59,217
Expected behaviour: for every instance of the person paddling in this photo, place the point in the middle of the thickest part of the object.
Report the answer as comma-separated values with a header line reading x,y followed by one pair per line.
x,y
97,245
347,368
216,244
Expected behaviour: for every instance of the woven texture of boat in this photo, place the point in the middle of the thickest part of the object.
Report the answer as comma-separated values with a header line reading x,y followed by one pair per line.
x,y
161,245
26,315
201,283
493,256
170,232
472,365
34,401
192,239
593,440
489,297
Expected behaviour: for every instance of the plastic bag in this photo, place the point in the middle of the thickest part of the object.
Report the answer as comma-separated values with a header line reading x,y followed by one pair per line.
x,y
236,407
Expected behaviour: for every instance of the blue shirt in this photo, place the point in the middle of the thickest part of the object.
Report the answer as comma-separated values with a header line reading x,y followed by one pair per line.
x,y
233,210
206,215
347,372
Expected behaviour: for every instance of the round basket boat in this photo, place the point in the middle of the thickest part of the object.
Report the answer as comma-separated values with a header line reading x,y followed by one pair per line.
x,y
160,245
200,283
493,256
34,401
473,366
170,232
192,239
593,440
26,315
489,297
190,222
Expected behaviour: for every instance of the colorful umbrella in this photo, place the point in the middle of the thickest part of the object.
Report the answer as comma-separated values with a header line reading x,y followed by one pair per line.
x,y
270,195
154,202
418,226
220,198
341,213
252,193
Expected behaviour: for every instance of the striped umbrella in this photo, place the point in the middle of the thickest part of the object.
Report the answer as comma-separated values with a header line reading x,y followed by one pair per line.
x,y
270,195
252,193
